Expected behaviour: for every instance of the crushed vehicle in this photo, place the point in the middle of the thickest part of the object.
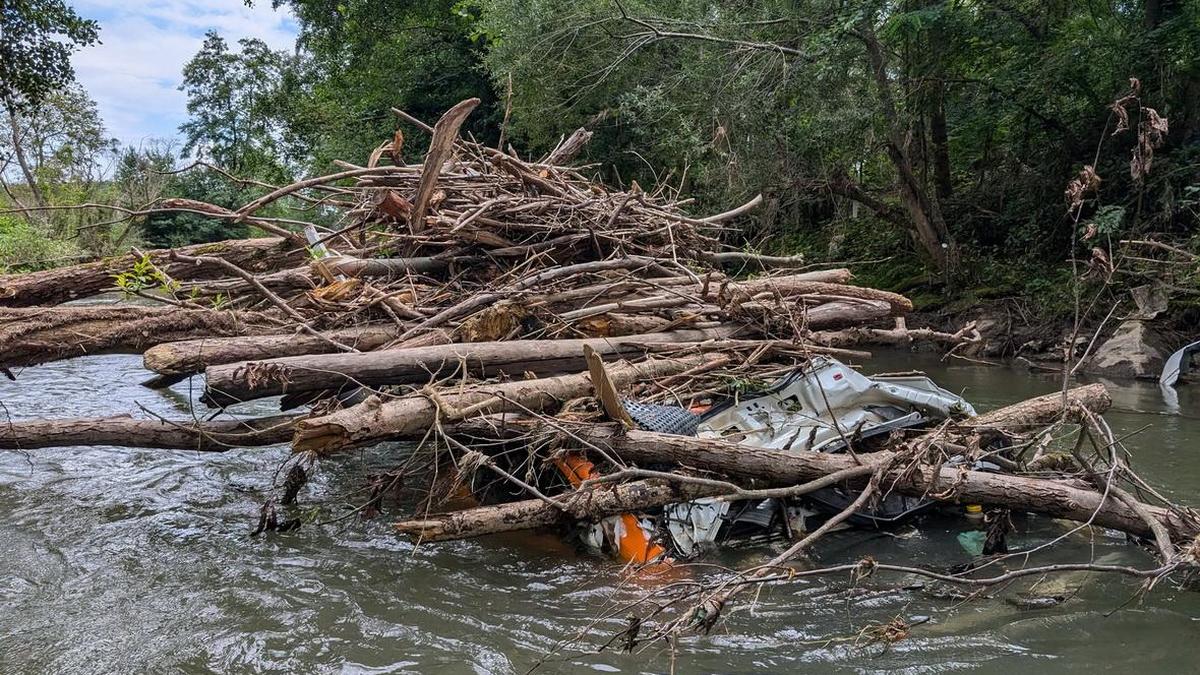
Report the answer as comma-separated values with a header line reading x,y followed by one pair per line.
x,y
824,406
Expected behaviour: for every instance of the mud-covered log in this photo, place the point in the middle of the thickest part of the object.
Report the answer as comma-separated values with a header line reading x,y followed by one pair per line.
x,y
55,286
32,335
374,420
186,357
247,380
127,432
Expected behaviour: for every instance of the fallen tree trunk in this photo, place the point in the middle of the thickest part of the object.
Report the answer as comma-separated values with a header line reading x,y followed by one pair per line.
x,y
373,420
396,267
530,514
55,286
32,335
128,432
230,383
1054,498
801,284
187,357
900,335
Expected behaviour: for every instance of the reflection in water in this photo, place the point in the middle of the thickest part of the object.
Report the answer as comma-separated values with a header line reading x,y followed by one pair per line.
x,y
123,560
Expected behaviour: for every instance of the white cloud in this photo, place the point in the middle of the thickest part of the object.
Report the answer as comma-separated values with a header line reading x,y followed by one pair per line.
x,y
135,74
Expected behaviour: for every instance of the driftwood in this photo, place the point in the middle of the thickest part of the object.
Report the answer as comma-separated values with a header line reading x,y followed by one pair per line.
x,y
247,380
187,357
128,432
32,335
56,286
375,420
1061,499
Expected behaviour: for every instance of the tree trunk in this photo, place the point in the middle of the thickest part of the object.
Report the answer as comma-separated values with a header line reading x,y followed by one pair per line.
x,y
928,225
1054,498
230,383
32,335
127,432
55,286
940,137
187,357
14,125
590,505
374,421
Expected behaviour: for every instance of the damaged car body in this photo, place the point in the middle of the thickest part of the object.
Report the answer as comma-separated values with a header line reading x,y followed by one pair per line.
x,y
824,406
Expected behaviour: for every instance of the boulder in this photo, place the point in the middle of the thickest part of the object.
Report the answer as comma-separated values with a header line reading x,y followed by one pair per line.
x,y
1134,350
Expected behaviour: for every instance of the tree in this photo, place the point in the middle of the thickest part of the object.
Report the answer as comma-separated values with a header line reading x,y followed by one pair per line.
x,y
60,145
948,121
37,38
233,100
360,58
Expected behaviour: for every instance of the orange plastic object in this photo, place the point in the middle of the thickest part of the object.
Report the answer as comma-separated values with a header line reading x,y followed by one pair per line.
x,y
632,543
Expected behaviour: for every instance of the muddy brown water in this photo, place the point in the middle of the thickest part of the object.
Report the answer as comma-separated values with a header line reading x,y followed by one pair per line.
x,y
117,560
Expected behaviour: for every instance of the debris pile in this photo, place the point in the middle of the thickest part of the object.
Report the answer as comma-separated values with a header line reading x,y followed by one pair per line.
x,y
574,356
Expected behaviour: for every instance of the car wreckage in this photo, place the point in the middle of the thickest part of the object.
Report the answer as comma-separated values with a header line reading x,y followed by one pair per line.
x,y
824,406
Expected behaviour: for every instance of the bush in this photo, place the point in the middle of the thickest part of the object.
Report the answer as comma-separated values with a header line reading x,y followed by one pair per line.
x,y
24,247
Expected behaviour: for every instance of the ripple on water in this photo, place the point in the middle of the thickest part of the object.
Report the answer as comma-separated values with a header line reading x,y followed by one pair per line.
x,y
118,561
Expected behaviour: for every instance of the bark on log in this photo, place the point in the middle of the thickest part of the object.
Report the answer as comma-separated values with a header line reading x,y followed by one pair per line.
x,y
899,336
395,267
776,468
187,357
535,513
243,381
32,335
1043,409
281,281
842,313
799,284
1053,498
127,432
373,421
56,286
569,148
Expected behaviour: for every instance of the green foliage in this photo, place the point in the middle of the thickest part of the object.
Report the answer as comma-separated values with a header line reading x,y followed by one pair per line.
x,y
360,58
37,38
25,248
144,275
234,101
181,228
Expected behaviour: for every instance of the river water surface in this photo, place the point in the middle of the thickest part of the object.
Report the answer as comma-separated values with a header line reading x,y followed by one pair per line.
x,y
117,560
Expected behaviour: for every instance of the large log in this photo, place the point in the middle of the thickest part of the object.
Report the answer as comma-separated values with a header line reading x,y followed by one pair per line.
x,y
411,416
248,380
32,335
534,513
127,432
1058,499
777,468
801,284
186,357
55,286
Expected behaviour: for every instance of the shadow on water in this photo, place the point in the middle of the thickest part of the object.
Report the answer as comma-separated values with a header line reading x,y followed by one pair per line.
x,y
139,560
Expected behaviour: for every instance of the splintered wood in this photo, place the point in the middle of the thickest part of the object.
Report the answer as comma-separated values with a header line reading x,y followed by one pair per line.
x,y
479,302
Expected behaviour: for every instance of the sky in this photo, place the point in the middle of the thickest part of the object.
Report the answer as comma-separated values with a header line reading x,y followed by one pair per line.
x,y
134,75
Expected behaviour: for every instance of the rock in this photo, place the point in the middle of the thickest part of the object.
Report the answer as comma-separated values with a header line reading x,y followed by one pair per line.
x,y
1134,350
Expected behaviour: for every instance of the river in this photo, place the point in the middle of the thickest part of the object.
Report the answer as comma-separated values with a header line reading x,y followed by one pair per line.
x,y
117,560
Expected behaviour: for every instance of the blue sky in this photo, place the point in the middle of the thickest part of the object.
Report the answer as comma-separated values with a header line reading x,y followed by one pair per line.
x,y
135,74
